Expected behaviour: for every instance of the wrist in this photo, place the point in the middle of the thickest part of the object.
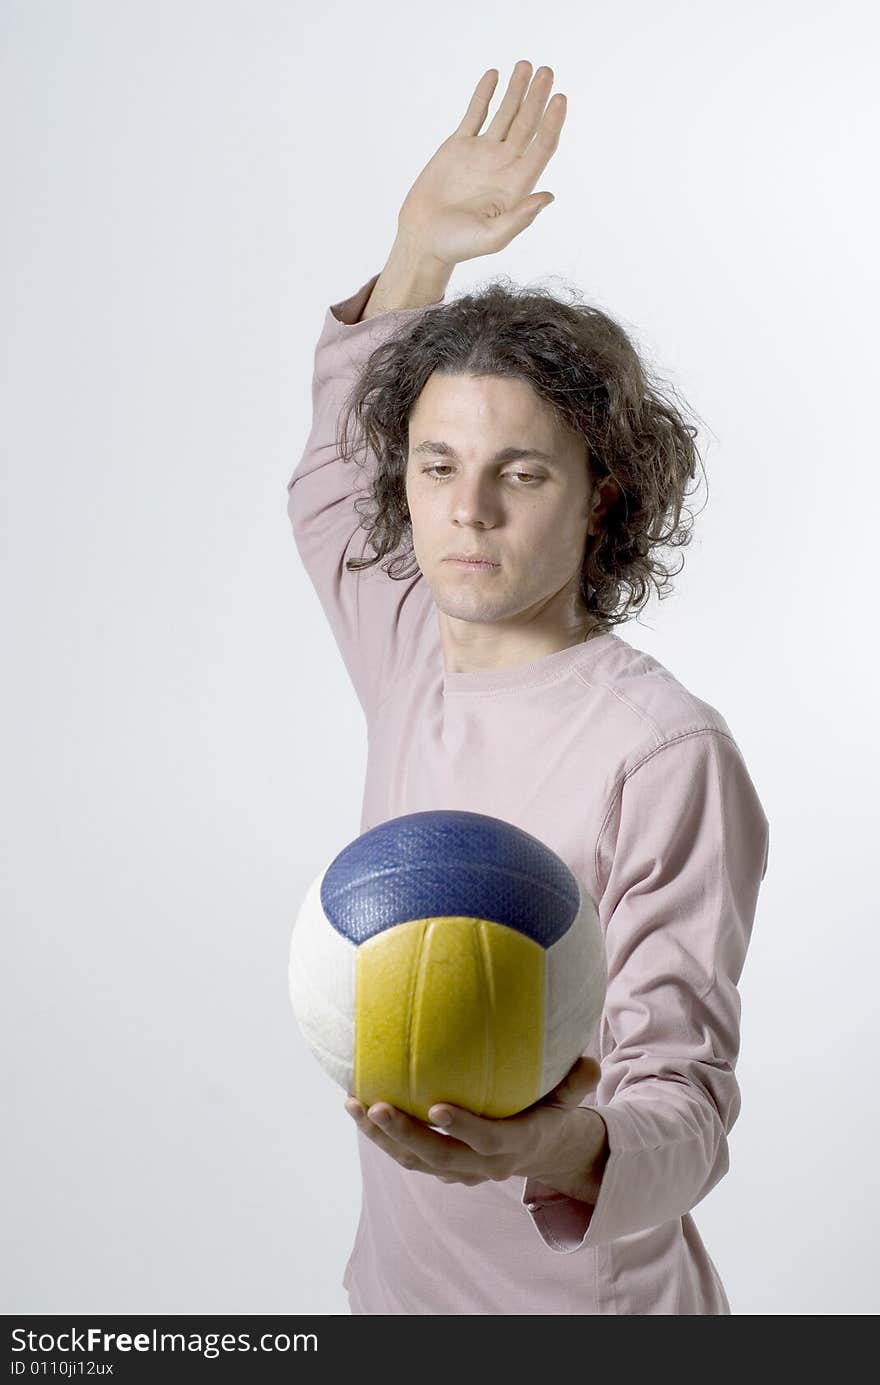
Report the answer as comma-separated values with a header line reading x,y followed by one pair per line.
x,y
411,279
578,1160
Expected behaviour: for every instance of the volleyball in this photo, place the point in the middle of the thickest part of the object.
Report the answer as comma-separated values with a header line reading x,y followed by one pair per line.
x,y
447,956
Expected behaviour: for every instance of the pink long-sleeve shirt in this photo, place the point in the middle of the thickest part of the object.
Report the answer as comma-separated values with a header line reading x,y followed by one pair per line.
x,y
641,788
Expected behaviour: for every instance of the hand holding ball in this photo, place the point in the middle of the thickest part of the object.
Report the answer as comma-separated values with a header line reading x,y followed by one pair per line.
x,y
447,956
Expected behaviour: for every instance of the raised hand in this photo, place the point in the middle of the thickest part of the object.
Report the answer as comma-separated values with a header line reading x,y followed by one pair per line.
x,y
475,194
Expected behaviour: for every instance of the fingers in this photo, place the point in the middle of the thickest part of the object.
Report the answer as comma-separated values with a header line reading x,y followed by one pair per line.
x,y
415,1147
478,106
509,108
529,116
535,158
406,1157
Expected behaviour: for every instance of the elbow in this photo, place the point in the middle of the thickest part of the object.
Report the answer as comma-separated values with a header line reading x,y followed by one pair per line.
x,y
716,1155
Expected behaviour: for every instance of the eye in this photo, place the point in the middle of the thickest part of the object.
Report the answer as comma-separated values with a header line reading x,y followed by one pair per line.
x,y
431,471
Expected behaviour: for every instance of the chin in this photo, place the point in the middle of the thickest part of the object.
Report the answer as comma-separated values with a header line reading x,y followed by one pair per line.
x,y
473,613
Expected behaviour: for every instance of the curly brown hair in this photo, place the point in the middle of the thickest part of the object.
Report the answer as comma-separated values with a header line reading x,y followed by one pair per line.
x,y
586,367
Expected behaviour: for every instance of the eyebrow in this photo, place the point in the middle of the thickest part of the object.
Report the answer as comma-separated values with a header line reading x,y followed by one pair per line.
x,y
507,454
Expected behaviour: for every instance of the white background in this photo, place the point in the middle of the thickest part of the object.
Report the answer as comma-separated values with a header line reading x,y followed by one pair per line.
x,y
186,187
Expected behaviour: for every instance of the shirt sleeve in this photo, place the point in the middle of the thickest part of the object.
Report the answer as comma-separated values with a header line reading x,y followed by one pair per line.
x,y
683,850
371,614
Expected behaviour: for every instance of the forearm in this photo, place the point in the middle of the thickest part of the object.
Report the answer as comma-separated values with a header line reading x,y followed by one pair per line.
x,y
578,1161
409,280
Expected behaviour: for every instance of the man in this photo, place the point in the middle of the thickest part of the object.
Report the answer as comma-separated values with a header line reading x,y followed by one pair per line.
x,y
517,451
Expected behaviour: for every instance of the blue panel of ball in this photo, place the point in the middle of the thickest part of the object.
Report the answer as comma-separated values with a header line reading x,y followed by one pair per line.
x,y
449,862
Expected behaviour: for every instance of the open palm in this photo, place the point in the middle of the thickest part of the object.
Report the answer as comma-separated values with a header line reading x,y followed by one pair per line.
x,y
475,194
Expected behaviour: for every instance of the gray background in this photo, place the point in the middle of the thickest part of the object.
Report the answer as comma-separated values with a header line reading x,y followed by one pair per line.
x,y
186,187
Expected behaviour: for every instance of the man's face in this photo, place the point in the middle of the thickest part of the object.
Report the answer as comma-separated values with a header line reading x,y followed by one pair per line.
x,y
528,515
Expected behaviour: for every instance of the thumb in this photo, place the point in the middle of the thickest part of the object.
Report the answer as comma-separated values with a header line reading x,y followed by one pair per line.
x,y
581,1078
502,230
525,212
536,202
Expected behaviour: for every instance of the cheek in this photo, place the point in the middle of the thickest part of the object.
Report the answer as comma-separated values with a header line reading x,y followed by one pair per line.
x,y
424,506
413,490
557,527
558,539
412,503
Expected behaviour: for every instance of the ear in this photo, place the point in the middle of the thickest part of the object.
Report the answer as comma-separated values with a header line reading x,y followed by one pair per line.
x,y
605,494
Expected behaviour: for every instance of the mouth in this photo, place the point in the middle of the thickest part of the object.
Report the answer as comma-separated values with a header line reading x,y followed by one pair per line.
x,y
475,564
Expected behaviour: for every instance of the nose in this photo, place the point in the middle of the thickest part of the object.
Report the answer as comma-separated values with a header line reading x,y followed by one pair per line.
x,y
473,501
